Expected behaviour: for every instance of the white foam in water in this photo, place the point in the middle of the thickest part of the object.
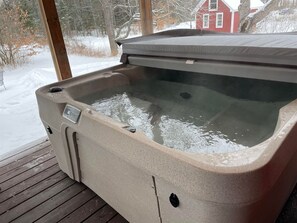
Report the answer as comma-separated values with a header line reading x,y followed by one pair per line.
x,y
191,138
198,121
122,109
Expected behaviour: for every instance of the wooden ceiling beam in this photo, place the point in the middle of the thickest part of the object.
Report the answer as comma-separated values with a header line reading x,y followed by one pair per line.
x,y
53,30
146,16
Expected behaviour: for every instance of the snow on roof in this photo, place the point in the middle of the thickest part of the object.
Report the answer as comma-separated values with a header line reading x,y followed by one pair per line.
x,y
235,3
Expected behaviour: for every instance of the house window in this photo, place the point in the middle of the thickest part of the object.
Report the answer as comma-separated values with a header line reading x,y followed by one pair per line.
x,y
219,20
206,21
213,4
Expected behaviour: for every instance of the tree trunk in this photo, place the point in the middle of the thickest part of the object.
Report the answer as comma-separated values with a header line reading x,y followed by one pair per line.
x,y
108,19
244,11
249,22
146,17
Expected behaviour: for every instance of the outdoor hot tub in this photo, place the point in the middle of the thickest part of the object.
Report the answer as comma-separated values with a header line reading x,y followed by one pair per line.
x,y
192,127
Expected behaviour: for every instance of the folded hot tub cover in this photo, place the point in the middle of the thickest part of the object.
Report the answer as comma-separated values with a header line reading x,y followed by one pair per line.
x,y
272,49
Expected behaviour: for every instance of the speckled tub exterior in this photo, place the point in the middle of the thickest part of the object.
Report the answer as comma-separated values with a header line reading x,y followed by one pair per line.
x,y
138,176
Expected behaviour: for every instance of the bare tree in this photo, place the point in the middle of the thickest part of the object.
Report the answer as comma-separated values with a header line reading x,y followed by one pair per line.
x,y
126,14
172,11
244,11
109,25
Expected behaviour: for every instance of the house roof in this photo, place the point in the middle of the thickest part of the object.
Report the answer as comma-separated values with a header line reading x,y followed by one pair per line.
x,y
232,4
235,3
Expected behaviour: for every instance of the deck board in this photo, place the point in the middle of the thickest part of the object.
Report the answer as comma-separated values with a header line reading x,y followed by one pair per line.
x,y
35,200
24,160
103,215
33,188
83,212
31,192
25,175
58,198
21,169
118,219
29,182
8,160
68,207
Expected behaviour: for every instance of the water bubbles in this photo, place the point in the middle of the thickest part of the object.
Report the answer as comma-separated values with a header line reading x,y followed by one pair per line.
x,y
199,120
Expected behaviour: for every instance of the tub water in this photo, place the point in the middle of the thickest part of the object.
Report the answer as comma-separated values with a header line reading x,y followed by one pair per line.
x,y
190,118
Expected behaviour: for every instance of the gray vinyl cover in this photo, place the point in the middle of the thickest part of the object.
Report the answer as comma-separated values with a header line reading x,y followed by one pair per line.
x,y
272,49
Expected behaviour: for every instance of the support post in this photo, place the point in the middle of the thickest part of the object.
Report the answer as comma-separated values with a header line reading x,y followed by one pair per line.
x,y
146,16
53,30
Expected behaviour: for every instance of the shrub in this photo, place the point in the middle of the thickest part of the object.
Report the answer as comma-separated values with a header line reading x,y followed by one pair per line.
x,y
17,41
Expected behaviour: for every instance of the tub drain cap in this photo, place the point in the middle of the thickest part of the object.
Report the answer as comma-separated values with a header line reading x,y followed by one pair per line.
x,y
55,89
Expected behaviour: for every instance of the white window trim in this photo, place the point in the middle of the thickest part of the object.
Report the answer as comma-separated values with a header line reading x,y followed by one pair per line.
x,y
205,15
213,9
217,14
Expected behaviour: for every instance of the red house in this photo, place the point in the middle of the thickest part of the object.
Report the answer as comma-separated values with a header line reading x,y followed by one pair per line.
x,y
220,15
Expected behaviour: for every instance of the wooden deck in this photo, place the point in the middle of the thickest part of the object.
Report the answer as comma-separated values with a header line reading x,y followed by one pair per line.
x,y
34,189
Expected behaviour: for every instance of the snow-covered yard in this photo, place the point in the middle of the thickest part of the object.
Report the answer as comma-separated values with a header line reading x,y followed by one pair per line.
x,y
279,21
19,119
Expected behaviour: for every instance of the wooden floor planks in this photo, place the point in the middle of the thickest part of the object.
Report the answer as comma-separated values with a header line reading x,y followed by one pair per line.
x,y
21,169
103,215
68,207
34,189
27,174
118,219
86,210
59,198
31,191
24,160
8,160
29,182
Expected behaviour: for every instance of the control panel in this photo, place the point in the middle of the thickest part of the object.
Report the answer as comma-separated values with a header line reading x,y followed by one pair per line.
x,y
71,113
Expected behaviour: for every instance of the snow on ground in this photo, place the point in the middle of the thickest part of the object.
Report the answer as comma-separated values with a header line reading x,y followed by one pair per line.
x,y
100,45
183,25
19,118
279,21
